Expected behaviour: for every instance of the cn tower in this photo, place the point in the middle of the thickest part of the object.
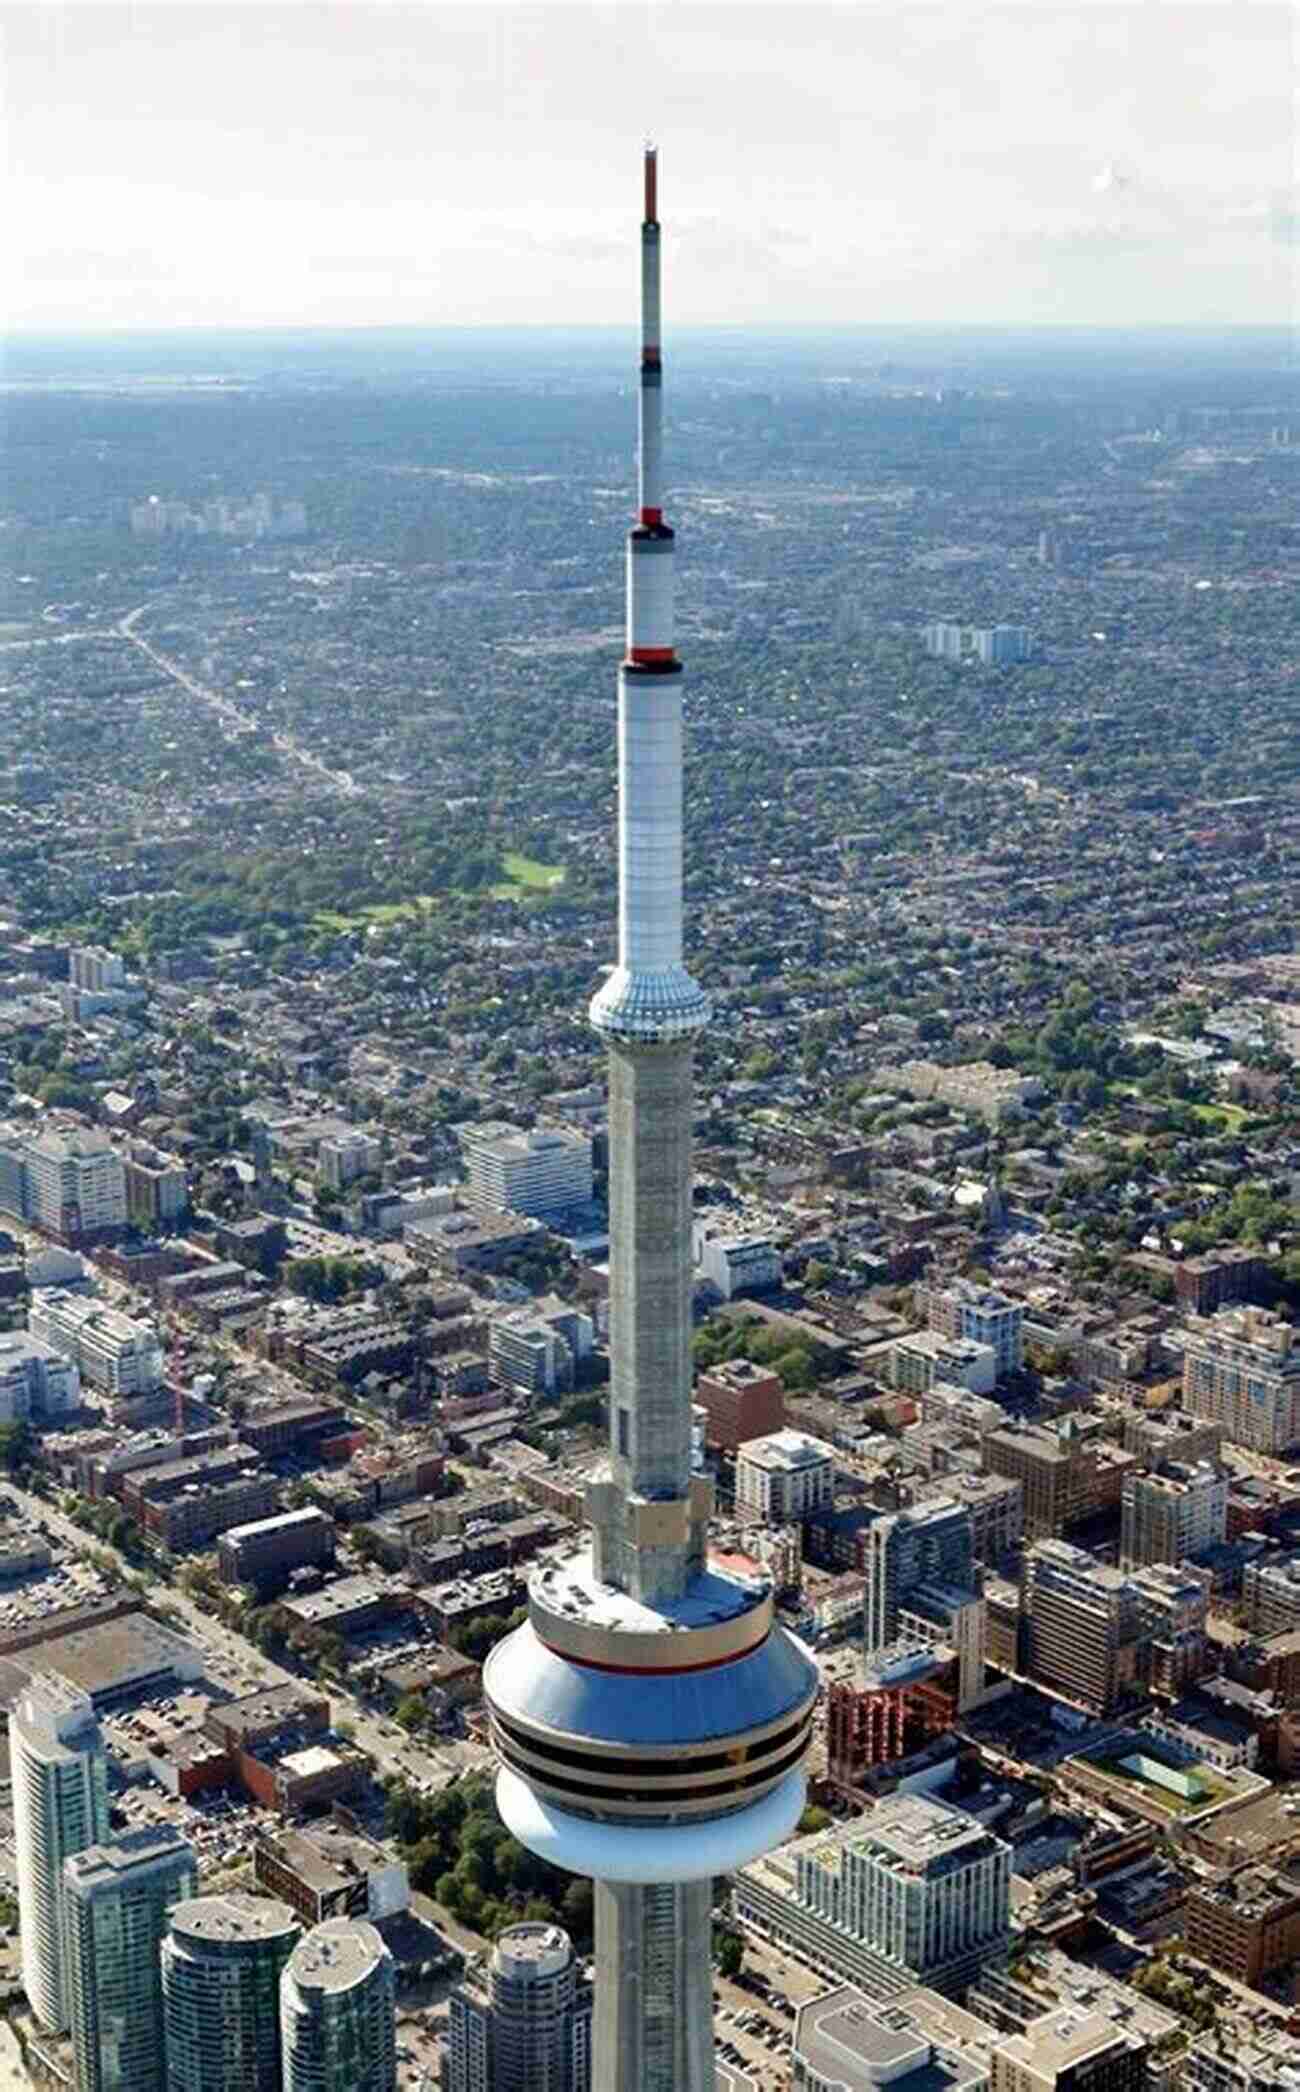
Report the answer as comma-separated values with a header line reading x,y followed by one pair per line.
x,y
651,1718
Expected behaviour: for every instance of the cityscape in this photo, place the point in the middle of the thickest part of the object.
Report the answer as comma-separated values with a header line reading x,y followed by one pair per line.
x,y
650,1213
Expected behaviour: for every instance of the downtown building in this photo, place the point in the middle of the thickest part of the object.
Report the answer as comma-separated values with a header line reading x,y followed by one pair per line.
x,y
221,1961
60,1790
922,1585
338,2011
542,1172
112,1352
522,2023
979,1315
1082,1627
70,1185
784,1479
1171,1511
1241,1370
916,1892
116,1901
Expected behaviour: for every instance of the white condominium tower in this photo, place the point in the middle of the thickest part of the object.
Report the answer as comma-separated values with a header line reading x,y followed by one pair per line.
x,y
60,1786
651,1718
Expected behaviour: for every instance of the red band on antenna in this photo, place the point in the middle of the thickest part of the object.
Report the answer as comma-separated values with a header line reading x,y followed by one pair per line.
x,y
651,185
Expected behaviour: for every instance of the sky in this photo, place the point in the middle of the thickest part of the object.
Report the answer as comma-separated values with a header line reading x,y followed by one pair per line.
x,y
992,162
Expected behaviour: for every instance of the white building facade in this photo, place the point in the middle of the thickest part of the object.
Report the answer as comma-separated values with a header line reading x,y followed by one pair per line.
x,y
60,1790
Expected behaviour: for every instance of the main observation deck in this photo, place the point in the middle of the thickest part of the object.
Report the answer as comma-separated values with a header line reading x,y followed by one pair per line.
x,y
645,1743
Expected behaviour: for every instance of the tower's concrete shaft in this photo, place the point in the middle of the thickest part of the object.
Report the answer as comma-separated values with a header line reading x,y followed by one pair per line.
x,y
649,1527
654,1987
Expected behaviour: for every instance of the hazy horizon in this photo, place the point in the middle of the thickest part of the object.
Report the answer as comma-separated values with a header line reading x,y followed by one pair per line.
x,y
1111,163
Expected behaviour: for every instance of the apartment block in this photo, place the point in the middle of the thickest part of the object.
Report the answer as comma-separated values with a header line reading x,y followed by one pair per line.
x,y
116,1901
1241,1369
1271,1591
523,2022
1082,1626
920,1360
544,1171
980,1315
157,1188
71,1185
36,1380
1225,1277
916,1892
927,1544
741,1401
111,1351
783,1479
1171,1511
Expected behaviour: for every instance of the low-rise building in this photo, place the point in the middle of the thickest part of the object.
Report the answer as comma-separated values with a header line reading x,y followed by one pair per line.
x,y
264,1552
1271,1592
37,1381
735,1264
741,1401
323,1871
1245,1922
919,1360
1070,2051
918,2042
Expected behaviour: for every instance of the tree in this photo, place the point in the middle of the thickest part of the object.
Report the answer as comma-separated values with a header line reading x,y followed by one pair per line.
x,y
728,1952
578,1908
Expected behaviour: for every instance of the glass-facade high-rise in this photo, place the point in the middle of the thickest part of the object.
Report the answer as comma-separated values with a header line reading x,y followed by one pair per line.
x,y
338,2029
60,1788
221,1965
116,1900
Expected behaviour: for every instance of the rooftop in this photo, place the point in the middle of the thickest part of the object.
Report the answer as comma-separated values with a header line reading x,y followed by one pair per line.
x,y
234,1917
786,1450
336,1955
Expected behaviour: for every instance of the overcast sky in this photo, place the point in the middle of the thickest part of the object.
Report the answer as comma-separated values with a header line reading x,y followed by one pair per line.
x,y
949,160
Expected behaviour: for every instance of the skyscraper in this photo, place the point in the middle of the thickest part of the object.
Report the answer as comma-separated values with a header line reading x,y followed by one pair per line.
x,y
338,2029
651,1718
116,1899
523,2024
60,1783
221,1965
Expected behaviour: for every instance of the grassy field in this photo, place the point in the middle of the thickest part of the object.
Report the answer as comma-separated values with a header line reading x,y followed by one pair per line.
x,y
526,872
525,879
1229,1118
377,912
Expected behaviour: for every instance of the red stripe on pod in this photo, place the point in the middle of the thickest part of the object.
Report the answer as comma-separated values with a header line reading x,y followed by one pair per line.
x,y
652,517
653,1670
650,653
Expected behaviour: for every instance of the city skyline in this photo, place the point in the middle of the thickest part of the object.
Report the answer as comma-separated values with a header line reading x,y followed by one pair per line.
x,y
1098,165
